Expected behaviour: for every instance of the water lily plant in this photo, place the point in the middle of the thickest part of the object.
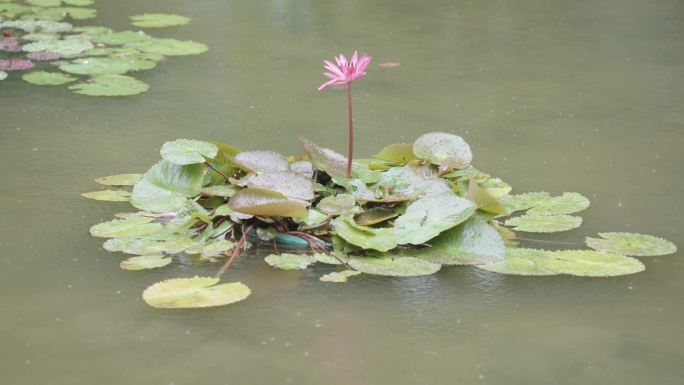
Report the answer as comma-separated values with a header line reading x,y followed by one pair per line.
x,y
343,74
400,215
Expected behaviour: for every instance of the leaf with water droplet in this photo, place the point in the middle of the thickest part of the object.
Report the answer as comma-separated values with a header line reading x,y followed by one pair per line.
x,y
535,223
158,20
632,244
143,262
325,159
289,261
287,183
196,292
443,149
395,267
261,161
108,195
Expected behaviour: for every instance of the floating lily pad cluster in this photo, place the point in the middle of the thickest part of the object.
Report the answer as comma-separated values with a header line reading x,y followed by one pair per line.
x,y
94,60
408,211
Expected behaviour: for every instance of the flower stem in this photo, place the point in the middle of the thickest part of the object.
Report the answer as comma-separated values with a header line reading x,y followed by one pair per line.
x,y
351,132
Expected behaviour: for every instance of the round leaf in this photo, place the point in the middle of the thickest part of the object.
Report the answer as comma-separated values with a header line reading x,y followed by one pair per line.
x,y
287,183
381,239
443,149
158,20
188,151
268,203
108,195
44,78
401,153
289,261
105,65
633,244
590,263
166,186
66,48
170,47
196,292
520,261
120,228
325,159
110,85
396,267
261,161
339,276
150,261
535,223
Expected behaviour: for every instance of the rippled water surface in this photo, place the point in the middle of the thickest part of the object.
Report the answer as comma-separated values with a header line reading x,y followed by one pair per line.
x,y
576,95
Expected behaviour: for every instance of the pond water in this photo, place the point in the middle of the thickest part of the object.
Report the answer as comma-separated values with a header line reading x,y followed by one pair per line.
x,y
560,96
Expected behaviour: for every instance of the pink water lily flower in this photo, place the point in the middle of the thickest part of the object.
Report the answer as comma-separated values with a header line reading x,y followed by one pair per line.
x,y
346,71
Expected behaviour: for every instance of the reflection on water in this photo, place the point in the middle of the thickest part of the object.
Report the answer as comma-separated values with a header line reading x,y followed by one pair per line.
x,y
562,96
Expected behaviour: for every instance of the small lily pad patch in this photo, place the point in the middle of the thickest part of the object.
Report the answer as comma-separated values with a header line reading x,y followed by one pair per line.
x,y
196,292
290,261
535,223
158,20
109,195
143,262
110,85
44,78
339,277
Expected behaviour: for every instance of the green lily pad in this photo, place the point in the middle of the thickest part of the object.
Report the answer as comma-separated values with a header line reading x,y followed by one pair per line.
x,y
196,292
41,36
269,203
120,38
79,3
45,3
110,85
105,65
188,151
524,201
32,25
289,261
303,168
66,48
261,161
121,228
44,78
91,30
400,153
150,261
374,216
60,13
108,195
3,75
217,247
330,259
406,183
470,243
170,47
521,261
568,203
496,187
632,244
287,183
119,180
535,223
590,263
325,159
166,186
158,20
339,277
443,149
484,200
381,239
395,267
427,217
337,204
220,191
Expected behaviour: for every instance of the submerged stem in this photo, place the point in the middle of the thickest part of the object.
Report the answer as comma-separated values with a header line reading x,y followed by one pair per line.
x,y
217,170
236,251
351,132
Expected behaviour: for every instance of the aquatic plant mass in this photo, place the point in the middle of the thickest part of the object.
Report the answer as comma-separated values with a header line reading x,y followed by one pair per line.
x,y
94,60
410,210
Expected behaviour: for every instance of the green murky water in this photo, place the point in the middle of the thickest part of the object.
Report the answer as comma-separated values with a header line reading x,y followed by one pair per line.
x,y
565,96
